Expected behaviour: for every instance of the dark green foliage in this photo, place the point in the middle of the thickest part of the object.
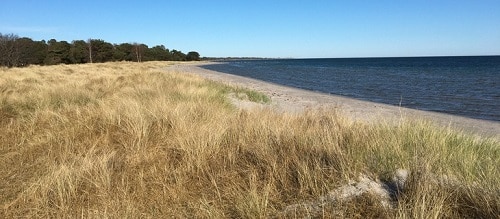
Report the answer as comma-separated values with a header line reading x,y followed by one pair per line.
x,y
26,48
193,56
123,52
102,51
79,52
39,52
178,56
160,53
58,52
17,52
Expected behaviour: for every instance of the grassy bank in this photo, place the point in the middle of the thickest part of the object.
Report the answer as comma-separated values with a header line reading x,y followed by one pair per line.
x,y
129,140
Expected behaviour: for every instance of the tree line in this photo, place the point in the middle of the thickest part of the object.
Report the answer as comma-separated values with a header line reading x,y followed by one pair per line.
x,y
22,51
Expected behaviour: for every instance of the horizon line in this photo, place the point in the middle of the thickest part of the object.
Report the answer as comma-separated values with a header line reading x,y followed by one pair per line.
x,y
347,57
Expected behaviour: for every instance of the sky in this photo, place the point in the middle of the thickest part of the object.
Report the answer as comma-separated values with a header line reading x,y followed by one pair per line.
x,y
268,28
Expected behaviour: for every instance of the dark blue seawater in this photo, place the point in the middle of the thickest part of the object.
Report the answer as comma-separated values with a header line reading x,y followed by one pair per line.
x,y
466,86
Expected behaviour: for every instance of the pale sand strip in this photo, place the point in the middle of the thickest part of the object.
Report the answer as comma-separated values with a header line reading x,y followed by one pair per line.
x,y
290,99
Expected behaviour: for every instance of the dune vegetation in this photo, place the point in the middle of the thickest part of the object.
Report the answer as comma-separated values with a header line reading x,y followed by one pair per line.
x,y
136,140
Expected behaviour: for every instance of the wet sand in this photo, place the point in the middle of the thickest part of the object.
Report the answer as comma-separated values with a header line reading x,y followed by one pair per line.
x,y
288,99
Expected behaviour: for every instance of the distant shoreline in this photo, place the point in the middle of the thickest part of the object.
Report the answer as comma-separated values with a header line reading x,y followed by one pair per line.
x,y
288,99
463,86
215,59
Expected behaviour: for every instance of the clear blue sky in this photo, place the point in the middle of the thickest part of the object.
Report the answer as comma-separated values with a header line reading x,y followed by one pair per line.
x,y
271,28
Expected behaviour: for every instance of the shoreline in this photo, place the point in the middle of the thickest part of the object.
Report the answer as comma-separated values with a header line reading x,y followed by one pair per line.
x,y
294,100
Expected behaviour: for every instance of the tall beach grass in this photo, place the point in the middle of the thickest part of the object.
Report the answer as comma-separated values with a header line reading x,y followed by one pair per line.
x,y
136,140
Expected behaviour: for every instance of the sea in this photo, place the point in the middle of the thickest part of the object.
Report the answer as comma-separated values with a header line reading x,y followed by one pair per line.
x,y
467,86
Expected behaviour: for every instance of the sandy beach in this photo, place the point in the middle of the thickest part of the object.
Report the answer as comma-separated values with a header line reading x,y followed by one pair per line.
x,y
288,99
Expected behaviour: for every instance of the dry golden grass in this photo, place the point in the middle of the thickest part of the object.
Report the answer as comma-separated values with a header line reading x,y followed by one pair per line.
x,y
130,140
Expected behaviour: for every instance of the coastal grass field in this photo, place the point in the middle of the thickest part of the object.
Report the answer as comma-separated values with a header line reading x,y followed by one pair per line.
x,y
137,140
